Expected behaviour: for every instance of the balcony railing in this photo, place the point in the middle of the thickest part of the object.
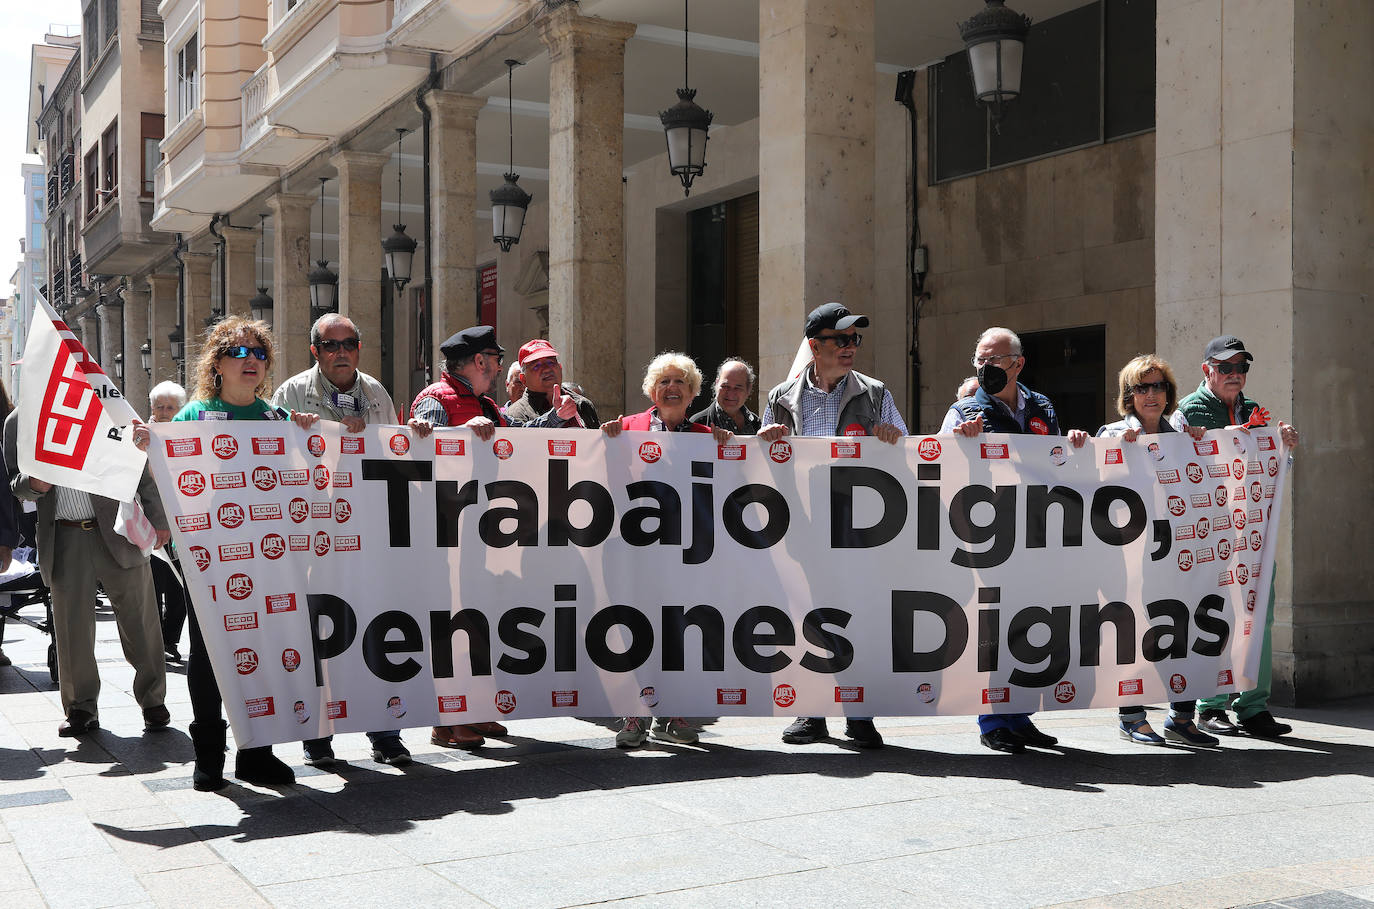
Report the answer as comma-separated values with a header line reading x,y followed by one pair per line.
x,y
74,271
254,95
52,191
59,289
68,171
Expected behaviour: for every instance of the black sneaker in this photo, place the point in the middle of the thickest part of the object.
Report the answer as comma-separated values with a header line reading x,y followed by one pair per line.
x,y
320,752
805,729
1003,739
1263,725
1034,737
391,751
1217,723
863,733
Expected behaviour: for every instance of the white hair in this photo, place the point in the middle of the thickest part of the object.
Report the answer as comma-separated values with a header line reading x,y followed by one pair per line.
x,y
994,332
167,390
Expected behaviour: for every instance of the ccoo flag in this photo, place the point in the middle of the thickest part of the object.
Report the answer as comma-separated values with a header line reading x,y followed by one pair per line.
x,y
72,419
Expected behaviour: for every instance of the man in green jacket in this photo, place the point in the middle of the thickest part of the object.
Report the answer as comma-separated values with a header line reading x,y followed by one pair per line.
x,y
1219,403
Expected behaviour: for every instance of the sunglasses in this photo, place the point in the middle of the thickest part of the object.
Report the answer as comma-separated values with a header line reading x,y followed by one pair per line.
x,y
1145,388
241,352
843,341
500,357
331,345
1227,368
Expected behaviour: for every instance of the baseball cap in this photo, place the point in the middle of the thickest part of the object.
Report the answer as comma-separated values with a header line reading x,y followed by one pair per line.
x,y
1224,348
834,316
538,349
470,341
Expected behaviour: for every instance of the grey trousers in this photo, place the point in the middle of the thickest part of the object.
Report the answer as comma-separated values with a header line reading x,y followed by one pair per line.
x,y
82,559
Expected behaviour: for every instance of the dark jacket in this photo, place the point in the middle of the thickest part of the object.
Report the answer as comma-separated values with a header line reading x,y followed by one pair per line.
x,y
714,416
1202,408
532,405
1040,416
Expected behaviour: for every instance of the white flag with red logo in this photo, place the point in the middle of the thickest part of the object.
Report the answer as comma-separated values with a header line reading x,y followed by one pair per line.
x,y
72,419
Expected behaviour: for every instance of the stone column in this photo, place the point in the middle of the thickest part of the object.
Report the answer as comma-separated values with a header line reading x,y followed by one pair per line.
x,y
198,261
290,290
816,154
111,316
162,318
586,214
240,269
453,195
135,333
1263,230
360,249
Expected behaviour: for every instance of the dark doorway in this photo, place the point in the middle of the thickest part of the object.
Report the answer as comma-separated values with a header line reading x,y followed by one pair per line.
x,y
1069,366
723,289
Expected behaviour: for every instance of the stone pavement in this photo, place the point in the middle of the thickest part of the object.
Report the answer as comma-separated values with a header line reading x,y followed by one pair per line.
x,y
554,816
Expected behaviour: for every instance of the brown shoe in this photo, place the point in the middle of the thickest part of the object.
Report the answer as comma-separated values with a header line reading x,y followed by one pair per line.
x,y
78,722
456,737
156,717
492,729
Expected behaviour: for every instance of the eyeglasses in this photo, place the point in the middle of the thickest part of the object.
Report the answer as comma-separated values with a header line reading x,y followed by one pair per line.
x,y
1227,368
241,352
500,357
331,345
1145,388
980,362
843,341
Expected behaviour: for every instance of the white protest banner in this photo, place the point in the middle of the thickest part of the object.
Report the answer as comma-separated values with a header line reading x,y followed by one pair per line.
x,y
71,414
356,582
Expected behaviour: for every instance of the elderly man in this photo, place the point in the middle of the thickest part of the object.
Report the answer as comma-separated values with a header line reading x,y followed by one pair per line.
x,y
515,385
830,398
542,372
337,390
461,397
734,384
1001,404
165,400
78,547
1219,403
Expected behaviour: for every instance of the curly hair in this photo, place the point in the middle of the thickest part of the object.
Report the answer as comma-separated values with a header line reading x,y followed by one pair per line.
x,y
672,360
219,338
1131,375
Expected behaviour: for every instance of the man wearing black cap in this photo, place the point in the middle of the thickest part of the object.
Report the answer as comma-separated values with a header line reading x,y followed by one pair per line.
x,y
472,367
830,399
1219,403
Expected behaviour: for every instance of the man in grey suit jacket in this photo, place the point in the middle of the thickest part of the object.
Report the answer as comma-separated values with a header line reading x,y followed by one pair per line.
x,y
78,546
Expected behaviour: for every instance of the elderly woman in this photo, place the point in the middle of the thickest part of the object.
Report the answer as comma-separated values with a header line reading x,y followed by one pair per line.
x,y
230,384
734,383
671,382
165,399
1148,404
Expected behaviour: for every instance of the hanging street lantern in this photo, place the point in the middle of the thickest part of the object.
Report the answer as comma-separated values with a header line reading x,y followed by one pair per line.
x,y
686,126
324,283
176,340
145,356
508,201
996,42
398,248
260,307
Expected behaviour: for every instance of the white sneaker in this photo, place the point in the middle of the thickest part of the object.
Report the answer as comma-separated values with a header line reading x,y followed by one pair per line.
x,y
675,730
632,734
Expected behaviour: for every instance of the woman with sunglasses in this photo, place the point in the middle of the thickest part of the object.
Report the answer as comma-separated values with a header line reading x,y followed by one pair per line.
x,y
1148,404
230,380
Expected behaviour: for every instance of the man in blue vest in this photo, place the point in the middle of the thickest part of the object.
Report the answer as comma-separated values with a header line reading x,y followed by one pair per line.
x,y
1001,404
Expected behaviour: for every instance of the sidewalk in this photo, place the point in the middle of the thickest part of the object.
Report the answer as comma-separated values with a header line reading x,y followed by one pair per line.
x,y
555,816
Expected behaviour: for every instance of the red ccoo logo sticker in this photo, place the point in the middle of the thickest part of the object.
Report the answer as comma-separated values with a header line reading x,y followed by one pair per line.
x,y
994,451
446,446
259,707
562,448
732,452
845,449
1129,687
183,448
849,694
565,698
996,695
731,697
1224,677
453,703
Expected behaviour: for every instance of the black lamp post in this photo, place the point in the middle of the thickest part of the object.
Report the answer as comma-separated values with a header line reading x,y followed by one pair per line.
x,y
260,307
176,341
324,283
398,248
119,368
686,126
508,201
996,42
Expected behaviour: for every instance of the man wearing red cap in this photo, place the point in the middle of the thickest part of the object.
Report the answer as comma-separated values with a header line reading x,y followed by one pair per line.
x,y
543,373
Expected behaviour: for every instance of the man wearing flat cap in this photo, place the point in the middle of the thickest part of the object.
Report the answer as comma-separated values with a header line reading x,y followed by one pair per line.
x,y
830,398
461,397
1220,403
542,373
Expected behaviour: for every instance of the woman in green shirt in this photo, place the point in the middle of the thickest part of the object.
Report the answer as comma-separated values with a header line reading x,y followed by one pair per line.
x,y
230,382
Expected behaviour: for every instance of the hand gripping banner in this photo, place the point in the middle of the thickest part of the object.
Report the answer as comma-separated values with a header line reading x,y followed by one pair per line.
x,y
361,582
71,414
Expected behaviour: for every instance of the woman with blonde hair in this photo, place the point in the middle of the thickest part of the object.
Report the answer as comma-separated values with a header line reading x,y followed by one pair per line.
x,y
671,381
231,383
1147,400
